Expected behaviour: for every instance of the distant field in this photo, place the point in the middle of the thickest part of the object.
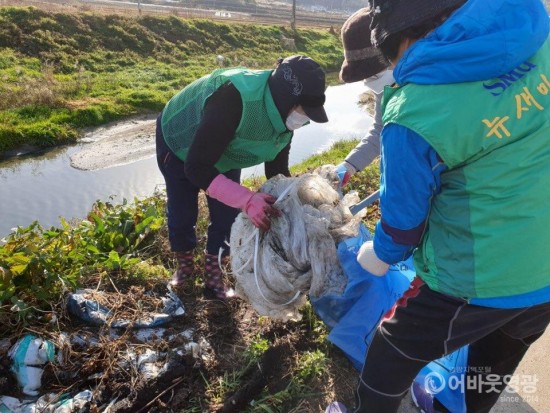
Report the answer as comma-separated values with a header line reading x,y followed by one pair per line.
x,y
66,66
133,7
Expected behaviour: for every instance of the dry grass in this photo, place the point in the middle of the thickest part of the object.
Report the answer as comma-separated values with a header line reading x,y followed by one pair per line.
x,y
30,91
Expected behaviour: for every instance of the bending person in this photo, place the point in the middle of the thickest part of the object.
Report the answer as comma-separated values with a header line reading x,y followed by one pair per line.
x,y
223,122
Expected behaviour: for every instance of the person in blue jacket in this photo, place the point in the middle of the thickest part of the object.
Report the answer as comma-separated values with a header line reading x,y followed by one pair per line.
x,y
465,187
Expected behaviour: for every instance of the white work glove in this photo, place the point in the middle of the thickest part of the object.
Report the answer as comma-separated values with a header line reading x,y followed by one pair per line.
x,y
366,257
345,171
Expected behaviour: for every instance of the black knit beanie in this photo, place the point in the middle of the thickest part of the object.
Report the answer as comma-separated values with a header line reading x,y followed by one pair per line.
x,y
393,16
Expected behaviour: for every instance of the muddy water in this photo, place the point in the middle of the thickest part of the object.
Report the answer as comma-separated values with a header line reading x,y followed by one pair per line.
x,y
45,187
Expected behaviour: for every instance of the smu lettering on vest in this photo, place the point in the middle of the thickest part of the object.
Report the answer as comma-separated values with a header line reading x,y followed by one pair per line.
x,y
261,133
487,229
499,86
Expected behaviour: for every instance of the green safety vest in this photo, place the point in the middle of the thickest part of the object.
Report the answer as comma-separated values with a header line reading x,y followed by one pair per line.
x,y
261,133
488,232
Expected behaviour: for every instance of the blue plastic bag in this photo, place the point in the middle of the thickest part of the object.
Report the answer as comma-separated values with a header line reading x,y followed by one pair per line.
x,y
354,315
331,308
444,378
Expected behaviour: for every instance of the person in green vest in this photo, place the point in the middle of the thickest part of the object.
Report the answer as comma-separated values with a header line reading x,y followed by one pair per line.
x,y
465,188
230,119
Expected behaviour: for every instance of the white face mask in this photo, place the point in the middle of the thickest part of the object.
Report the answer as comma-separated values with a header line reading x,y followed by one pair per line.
x,y
377,82
296,120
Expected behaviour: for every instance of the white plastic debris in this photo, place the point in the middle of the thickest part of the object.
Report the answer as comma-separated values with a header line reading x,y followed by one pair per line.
x,y
48,403
276,270
194,349
147,364
29,354
74,404
149,335
10,404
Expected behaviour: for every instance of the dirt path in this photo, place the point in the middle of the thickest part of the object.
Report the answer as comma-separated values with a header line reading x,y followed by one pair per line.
x,y
117,144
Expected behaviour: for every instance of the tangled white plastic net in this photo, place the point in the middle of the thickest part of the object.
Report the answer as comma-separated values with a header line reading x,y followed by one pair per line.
x,y
277,269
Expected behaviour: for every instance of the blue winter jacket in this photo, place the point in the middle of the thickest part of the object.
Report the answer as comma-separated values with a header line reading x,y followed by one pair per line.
x,y
482,40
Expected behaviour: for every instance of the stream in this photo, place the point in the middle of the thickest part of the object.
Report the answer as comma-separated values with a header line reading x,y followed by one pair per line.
x,y
117,162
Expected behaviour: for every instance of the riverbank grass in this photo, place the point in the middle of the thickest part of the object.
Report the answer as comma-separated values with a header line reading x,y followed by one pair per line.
x,y
62,72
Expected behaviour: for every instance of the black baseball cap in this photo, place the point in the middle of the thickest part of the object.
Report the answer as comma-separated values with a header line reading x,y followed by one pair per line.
x,y
299,80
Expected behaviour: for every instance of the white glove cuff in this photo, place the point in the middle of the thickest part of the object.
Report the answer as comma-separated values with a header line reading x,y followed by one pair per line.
x,y
369,261
350,168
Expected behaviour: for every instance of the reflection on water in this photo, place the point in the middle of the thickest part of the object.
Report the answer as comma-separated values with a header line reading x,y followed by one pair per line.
x,y
44,187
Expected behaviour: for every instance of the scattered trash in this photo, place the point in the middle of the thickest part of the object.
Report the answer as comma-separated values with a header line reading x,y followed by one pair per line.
x,y
10,404
29,354
136,371
156,370
68,405
49,403
148,335
88,306
126,343
145,364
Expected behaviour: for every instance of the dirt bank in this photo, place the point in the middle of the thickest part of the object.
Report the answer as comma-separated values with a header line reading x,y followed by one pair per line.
x,y
117,144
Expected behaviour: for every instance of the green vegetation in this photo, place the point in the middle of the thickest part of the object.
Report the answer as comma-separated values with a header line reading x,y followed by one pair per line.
x,y
127,244
62,72
37,265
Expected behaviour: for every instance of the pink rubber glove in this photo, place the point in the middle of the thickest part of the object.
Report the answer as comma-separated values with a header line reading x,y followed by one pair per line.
x,y
256,205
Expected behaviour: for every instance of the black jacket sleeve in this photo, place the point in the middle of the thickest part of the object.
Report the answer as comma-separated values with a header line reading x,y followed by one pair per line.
x,y
279,165
222,115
